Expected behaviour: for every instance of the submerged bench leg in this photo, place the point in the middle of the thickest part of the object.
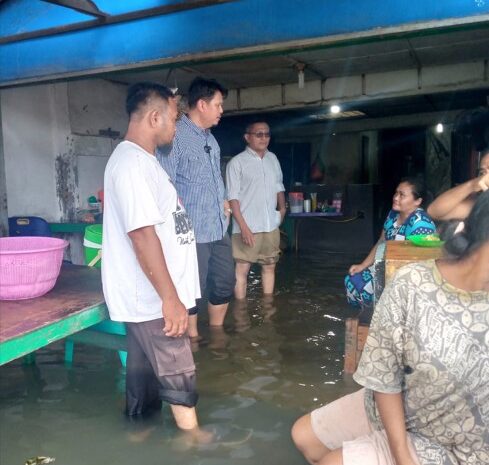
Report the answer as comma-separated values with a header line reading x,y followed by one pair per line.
x,y
30,359
69,350
123,357
99,339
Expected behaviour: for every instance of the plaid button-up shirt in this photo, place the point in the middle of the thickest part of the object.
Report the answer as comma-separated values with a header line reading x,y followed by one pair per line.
x,y
193,164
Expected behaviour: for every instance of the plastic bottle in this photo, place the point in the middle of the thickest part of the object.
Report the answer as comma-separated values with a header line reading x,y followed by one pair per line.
x,y
337,201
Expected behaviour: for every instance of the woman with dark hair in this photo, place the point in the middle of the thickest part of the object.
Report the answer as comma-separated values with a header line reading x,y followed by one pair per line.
x,y
424,367
457,202
406,218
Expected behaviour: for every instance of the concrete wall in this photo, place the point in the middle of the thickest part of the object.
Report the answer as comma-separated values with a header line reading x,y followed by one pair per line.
x,y
3,186
57,139
98,122
56,142
36,139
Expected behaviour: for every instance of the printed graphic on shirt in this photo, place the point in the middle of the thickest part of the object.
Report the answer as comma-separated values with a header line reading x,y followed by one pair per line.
x,y
183,226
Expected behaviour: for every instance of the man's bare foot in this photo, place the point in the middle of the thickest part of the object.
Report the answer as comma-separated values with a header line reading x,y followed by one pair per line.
x,y
140,436
186,439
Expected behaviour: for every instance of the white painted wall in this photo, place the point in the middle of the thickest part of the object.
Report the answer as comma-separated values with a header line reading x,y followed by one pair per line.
x,y
95,105
54,154
35,131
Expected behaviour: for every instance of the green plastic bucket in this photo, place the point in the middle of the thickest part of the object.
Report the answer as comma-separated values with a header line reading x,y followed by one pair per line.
x,y
92,244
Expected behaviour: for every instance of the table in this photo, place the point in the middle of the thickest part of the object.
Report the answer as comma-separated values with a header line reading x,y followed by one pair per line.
x,y
400,253
299,217
75,303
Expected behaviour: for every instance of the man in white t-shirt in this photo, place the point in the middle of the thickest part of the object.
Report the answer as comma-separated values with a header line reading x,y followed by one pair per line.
x,y
256,195
149,267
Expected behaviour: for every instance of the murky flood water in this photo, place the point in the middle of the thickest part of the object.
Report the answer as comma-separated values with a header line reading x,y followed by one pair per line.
x,y
275,361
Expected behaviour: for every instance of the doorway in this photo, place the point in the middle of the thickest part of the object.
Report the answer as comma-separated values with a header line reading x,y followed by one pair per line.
x,y
401,153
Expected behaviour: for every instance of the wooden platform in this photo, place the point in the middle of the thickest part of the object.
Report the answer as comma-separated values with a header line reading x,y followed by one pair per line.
x,y
400,253
75,303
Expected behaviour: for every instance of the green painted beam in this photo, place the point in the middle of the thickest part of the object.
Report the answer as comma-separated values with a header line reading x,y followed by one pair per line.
x,y
68,227
30,342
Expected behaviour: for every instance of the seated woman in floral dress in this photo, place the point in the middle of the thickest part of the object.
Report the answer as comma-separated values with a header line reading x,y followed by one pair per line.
x,y
424,367
406,218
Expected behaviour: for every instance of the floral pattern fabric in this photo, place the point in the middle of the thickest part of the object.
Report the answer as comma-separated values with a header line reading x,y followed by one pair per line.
x,y
430,341
360,287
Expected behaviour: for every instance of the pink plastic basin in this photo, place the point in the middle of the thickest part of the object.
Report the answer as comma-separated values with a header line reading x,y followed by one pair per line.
x,y
29,266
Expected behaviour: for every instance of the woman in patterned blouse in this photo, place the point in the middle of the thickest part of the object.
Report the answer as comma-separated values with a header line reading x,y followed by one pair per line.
x,y
406,218
424,367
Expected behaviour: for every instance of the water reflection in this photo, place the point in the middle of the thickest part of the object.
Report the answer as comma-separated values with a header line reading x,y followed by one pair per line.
x,y
275,359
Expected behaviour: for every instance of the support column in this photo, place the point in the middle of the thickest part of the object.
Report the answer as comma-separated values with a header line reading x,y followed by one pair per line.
x,y
3,184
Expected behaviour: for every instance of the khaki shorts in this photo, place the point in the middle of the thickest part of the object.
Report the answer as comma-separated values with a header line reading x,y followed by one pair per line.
x,y
266,250
344,423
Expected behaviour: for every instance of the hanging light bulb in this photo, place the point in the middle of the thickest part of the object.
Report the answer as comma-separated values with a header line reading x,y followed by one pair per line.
x,y
439,128
300,75
335,109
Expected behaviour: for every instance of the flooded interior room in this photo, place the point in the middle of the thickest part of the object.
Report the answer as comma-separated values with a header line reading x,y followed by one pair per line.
x,y
211,214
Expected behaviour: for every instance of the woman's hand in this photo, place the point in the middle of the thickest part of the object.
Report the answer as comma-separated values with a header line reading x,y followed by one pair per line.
x,y
483,182
358,268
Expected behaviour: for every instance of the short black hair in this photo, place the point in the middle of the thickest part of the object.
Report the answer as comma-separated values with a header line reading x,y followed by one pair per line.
x,y
419,188
253,122
138,95
204,89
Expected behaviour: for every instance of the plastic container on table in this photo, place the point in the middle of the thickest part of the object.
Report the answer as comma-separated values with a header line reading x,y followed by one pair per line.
x,y
30,266
296,202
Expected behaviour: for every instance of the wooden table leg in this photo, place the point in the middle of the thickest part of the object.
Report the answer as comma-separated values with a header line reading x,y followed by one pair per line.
x,y
296,234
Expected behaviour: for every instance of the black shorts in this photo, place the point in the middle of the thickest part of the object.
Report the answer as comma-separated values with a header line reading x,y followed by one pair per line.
x,y
216,270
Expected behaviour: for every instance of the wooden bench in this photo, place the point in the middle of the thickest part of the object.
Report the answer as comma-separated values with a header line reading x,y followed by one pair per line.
x,y
75,303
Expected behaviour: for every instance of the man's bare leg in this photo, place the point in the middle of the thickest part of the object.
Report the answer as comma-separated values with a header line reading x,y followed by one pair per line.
x,y
193,330
242,270
268,278
185,417
217,313
186,420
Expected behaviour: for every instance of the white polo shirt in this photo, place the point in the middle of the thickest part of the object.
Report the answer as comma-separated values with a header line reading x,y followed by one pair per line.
x,y
255,183
138,193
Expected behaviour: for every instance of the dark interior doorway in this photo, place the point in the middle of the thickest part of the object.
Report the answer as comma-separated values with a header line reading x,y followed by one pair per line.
x,y
295,162
401,153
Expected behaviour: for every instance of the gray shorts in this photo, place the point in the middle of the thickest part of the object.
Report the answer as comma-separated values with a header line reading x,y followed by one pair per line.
x,y
158,368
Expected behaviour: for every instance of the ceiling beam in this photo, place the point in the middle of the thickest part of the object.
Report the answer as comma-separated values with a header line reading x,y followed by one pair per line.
x,y
113,19
83,6
307,66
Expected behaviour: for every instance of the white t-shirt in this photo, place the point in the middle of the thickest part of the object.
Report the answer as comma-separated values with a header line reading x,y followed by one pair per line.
x,y
138,193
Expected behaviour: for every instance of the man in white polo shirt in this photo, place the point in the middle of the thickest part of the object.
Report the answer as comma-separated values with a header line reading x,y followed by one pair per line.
x,y
149,267
256,195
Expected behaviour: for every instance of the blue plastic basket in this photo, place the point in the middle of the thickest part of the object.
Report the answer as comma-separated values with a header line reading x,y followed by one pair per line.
x,y
28,226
